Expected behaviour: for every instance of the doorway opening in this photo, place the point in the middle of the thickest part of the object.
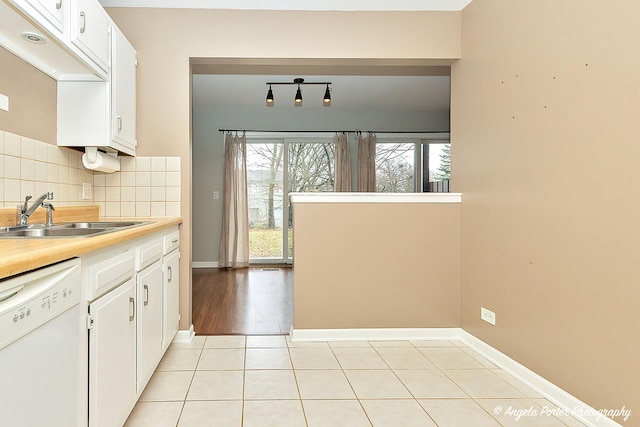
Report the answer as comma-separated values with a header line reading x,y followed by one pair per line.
x,y
275,175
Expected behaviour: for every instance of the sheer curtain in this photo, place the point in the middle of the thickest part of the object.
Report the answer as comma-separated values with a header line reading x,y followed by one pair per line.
x,y
343,163
234,239
367,162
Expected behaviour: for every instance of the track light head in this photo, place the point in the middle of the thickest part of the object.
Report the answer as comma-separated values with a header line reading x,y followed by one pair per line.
x,y
270,97
298,99
326,100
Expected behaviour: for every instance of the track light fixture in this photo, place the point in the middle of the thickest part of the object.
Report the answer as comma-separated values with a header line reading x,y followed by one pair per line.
x,y
298,100
270,97
326,100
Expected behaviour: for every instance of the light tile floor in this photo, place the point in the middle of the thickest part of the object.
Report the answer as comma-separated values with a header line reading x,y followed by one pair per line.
x,y
265,381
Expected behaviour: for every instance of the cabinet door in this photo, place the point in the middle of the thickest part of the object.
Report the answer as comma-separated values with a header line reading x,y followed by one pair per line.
x,y
149,322
172,297
90,26
51,12
112,356
123,91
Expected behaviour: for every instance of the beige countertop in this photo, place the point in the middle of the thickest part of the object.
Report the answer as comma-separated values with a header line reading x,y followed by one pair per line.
x,y
21,255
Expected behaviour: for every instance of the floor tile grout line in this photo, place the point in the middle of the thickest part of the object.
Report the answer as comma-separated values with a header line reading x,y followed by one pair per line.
x,y
244,378
295,378
184,402
415,399
351,385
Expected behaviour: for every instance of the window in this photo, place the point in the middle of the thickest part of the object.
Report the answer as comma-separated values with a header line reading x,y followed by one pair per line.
x,y
412,165
436,161
275,168
395,167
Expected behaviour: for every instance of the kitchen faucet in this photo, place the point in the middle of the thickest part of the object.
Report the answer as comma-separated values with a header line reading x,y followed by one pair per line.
x,y
23,213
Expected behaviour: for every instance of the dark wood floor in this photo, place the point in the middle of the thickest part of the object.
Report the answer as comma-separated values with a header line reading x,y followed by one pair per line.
x,y
249,301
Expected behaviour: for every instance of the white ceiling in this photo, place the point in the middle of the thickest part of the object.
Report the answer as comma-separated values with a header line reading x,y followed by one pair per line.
x,y
347,92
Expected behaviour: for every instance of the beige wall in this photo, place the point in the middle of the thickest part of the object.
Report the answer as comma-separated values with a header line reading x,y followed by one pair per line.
x,y
373,265
166,39
545,148
32,99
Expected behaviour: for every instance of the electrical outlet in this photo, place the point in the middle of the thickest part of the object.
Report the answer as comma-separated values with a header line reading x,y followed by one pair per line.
x,y
86,191
216,195
488,316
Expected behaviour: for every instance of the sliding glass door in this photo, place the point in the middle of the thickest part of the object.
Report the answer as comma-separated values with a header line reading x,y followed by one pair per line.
x,y
265,185
275,168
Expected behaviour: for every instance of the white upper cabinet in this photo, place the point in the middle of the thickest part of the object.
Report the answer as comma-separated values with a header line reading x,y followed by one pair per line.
x,y
103,113
107,108
123,92
50,12
90,27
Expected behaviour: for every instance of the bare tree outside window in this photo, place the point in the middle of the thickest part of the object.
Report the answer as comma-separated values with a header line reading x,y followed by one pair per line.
x,y
395,167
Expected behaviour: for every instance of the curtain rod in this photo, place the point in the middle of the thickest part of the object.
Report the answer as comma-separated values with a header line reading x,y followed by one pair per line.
x,y
333,131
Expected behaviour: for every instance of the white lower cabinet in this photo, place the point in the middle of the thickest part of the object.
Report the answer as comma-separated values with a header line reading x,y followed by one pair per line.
x,y
149,282
130,301
112,356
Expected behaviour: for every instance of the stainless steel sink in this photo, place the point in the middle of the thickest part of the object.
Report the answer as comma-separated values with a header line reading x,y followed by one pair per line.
x,y
52,232
74,229
106,224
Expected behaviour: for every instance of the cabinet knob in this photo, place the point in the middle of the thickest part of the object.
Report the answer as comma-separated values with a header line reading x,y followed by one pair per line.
x,y
59,4
119,123
146,294
132,316
170,274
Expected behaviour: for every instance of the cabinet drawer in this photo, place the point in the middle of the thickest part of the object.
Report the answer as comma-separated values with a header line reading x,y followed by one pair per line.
x,y
108,273
147,253
171,241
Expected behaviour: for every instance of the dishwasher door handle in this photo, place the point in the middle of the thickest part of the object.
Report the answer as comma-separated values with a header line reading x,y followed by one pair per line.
x,y
132,301
5,295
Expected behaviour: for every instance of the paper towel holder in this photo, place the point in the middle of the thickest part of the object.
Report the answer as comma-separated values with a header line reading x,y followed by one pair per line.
x,y
101,161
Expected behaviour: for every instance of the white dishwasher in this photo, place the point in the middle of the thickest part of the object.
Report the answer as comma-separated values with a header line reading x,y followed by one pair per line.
x,y
40,327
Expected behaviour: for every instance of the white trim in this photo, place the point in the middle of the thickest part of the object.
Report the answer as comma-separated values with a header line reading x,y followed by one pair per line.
x,y
185,336
571,404
376,197
552,392
339,5
204,264
375,334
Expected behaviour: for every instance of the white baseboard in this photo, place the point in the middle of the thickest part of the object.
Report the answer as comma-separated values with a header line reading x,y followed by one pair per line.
x,y
375,334
553,393
185,336
204,264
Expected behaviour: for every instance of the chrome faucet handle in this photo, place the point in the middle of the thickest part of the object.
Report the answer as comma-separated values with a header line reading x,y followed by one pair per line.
x,y
24,207
50,195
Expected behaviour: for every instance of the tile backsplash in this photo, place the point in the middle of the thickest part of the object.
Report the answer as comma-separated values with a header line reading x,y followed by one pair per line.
x,y
145,186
